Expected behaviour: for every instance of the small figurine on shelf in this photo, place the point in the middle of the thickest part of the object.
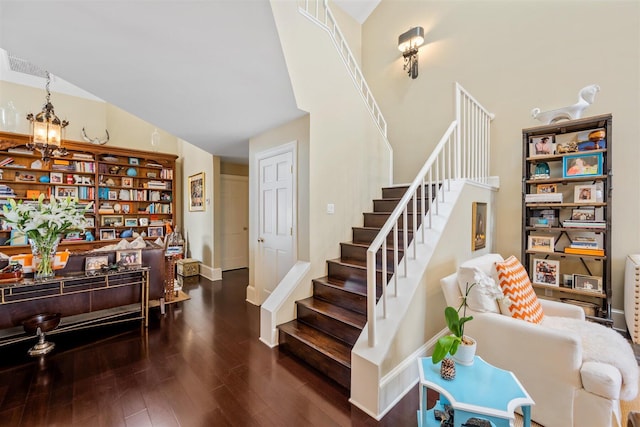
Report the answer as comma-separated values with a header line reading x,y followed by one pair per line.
x,y
88,236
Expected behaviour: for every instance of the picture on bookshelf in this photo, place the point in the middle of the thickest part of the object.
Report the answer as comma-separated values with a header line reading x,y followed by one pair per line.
x,y
579,165
127,182
112,195
546,272
143,222
25,177
584,193
107,234
592,140
157,231
587,283
90,222
131,222
478,226
111,220
541,243
546,188
542,145
66,191
55,178
583,214
134,161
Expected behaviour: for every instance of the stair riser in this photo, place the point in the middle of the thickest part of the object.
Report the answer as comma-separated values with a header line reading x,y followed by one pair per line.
x,y
344,332
345,272
359,253
348,300
378,220
398,192
366,236
390,205
327,366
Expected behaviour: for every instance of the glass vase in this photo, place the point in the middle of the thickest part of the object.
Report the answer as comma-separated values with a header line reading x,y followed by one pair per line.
x,y
44,252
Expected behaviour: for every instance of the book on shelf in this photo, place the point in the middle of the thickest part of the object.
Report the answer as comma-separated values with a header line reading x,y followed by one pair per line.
x,y
584,251
543,198
82,156
6,161
20,151
570,223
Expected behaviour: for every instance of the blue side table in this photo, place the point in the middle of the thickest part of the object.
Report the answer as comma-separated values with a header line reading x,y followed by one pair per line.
x,y
479,390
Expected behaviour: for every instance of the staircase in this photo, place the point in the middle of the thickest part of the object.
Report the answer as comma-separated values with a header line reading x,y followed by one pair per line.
x,y
329,322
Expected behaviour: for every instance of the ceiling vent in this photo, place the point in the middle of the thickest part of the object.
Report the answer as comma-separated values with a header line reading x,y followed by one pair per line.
x,y
23,66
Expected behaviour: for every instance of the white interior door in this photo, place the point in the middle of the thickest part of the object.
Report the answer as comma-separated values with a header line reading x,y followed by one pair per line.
x,y
234,197
275,254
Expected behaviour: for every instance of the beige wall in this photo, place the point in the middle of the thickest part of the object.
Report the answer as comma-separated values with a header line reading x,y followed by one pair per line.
x,y
234,169
513,56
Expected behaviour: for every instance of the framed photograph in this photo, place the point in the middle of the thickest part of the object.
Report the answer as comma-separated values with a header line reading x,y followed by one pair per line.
x,y
55,178
478,226
113,195
134,161
196,192
18,238
157,231
91,222
541,243
129,257
73,235
587,283
584,193
25,177
583,214
126,208
127,182
143,221
546,272
594,139
131,222
152,175
542,145
95,263
66,191
546,188
111,220
578,165
107,234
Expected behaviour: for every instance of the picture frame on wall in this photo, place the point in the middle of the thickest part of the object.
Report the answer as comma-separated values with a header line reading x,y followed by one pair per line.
x,y
546,272
478,226
197,192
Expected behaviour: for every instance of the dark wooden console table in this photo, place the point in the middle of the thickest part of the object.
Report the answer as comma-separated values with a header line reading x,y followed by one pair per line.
x,y
83,301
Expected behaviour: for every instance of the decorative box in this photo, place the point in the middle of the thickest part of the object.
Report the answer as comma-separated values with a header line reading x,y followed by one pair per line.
x,y
188,267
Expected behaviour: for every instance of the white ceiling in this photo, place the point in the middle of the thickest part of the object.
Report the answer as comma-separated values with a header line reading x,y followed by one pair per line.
x,y
211,72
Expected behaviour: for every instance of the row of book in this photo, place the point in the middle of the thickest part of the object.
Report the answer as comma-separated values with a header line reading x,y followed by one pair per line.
x,y
543,198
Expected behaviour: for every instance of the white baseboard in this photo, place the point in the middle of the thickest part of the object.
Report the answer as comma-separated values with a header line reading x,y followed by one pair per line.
x,y
210,273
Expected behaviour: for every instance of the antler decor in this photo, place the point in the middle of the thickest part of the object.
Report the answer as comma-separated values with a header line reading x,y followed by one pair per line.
x,y
96,141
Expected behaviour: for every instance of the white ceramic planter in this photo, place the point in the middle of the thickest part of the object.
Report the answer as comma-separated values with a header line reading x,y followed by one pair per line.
x,y
465,353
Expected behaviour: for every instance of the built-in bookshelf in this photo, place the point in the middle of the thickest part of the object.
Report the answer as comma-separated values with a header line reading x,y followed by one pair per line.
x,y
133,191
566,212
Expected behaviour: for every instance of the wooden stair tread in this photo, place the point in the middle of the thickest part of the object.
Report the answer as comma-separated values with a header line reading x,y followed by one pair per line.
x,y
319,341
344,315
345,285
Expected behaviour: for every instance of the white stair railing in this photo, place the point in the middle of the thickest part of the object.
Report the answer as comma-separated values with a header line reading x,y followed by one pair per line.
x,y
461,153
318,11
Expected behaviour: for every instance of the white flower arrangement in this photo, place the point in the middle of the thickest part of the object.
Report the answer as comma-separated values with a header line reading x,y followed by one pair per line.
x,y
45,221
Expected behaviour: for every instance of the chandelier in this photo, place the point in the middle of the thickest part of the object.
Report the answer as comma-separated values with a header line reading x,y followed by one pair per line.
x,y
46,130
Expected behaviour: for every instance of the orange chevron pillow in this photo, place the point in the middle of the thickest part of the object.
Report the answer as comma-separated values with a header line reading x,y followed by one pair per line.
x,y
515,284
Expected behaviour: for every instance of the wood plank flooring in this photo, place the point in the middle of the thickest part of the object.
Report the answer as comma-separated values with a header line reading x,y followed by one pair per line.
x,y
199,365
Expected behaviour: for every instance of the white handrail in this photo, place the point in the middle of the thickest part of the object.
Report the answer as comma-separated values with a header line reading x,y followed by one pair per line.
x,y
321,15
461,153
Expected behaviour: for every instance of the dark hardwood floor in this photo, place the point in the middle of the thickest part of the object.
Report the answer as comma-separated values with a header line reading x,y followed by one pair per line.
x,y
199,365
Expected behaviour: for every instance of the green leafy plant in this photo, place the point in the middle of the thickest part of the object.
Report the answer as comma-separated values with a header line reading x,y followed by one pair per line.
x,y
449,343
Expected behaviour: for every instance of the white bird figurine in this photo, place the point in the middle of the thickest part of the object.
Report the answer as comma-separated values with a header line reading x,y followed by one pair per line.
x,y
586,97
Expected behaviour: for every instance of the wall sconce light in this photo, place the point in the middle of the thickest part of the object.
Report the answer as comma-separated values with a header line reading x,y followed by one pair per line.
x,y
408,44
46,130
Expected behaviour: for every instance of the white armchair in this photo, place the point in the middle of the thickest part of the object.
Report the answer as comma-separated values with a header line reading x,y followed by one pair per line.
x,y
548,362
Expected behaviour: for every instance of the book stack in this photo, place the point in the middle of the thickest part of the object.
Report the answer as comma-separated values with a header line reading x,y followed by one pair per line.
x,y
543,198
82,156
20,151
6,192
158,185
584,245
